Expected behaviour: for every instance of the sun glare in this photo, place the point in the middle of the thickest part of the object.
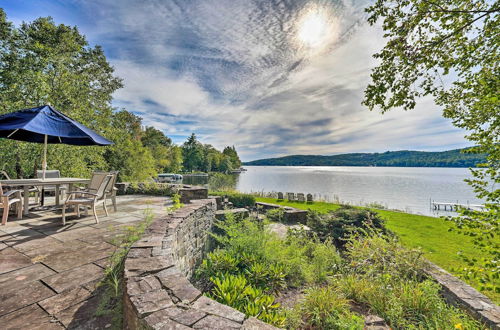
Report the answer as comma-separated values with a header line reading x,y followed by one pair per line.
x,y
315,28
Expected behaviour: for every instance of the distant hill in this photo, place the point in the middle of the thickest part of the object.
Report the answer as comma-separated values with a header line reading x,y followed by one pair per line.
x,y
403,158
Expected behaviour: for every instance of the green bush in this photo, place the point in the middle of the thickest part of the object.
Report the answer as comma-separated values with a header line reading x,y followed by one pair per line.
x,y
151,188
267,263
404,304
344,222
236,291
388,279
324,308
238,199
377,254
276,215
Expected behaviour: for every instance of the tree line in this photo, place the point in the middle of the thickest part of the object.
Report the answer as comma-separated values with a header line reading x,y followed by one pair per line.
x,y
45,63
404,158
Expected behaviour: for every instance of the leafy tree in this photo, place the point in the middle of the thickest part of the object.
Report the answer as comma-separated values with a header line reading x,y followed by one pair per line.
x,y
159,145
175,159
226,165
153,137
193,154
449,50
41,63
231,153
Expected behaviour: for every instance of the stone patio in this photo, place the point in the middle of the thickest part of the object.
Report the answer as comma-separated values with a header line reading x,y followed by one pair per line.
x,y
48,273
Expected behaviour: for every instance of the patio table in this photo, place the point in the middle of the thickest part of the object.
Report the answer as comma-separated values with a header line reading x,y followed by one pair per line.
x,y
27,183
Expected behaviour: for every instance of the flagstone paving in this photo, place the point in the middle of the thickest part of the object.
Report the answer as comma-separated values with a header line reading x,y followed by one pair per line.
x,y
49,273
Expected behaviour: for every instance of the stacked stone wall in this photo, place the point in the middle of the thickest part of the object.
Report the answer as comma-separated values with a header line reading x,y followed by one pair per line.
x,y
158,292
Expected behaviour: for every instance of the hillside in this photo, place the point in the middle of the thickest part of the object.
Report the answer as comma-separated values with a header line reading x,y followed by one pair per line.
x,y
404,158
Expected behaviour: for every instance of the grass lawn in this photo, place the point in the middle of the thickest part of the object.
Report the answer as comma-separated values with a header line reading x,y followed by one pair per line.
x,y
417,231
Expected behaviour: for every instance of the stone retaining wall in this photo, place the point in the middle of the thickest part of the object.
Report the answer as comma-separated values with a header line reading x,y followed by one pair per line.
x,y
158,293
464,296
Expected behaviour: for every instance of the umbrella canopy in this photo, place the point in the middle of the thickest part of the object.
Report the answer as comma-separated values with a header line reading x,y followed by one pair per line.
x,y
32,125
46,125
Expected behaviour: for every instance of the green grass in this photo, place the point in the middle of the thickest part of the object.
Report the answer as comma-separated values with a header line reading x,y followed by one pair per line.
x,y
430,234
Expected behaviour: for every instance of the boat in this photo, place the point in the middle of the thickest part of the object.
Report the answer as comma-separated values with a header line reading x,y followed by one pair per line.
x,y
169,177
239,170
196,175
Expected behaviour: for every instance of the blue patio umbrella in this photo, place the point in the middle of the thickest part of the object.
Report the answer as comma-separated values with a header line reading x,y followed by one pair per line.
x,y
48,126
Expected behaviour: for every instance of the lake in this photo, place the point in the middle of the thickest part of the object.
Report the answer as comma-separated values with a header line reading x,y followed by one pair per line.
x,y
405,188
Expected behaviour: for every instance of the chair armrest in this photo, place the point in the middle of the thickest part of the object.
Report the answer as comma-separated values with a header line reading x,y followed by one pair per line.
x,y
82,193
11,192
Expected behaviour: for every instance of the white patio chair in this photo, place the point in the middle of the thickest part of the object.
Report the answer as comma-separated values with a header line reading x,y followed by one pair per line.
x,y
110,188
89,198
51,174
31,189
9,198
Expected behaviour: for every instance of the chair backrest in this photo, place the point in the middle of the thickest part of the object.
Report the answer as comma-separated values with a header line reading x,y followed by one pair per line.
x,y
48,174
5,175
101,190
96,180
111,184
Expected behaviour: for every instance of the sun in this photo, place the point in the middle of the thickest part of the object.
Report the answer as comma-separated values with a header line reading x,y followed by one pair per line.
x,y
313,28
317,28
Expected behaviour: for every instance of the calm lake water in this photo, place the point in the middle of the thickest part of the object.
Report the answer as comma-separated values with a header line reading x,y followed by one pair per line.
x,y
404,188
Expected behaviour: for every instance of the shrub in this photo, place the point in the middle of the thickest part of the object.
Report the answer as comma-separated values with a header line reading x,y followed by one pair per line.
x,y
235,291
151,188
276,215
325,308
238,199
267,264
344,222
404,304
388,278
377,254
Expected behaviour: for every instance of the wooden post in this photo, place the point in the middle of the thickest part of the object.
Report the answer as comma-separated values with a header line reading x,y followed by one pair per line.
x,y
44,163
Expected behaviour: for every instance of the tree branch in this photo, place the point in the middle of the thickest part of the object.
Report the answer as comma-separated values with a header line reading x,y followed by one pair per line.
x,y
444,10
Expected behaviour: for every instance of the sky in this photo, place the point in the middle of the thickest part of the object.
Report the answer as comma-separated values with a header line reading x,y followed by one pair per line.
x,y
272,78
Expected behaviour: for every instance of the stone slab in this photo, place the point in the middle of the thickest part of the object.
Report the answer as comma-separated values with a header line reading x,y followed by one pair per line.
x,y
33,243
139,253
138,266
31,317
83,316
253,323
213,322
136,286
150,302
210,306
46,250
160,320
180,287
64,300
73,277
16,279
10,259
63,261
189,317
27,295
76,233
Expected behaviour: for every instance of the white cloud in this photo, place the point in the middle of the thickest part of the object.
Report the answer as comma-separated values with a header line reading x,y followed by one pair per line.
x,y
234,72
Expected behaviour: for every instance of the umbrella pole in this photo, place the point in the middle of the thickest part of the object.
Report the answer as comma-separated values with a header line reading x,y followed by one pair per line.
x,y
44,163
